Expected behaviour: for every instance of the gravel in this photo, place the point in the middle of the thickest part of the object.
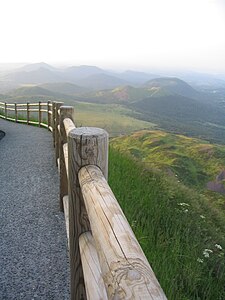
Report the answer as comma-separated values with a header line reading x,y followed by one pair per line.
x,y
2,134
33,247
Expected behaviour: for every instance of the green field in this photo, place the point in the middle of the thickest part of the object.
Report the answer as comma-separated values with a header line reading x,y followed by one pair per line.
x,y
114,118
180,232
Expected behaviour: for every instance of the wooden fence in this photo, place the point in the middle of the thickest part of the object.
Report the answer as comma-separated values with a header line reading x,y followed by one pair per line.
x,y
106,260
21,113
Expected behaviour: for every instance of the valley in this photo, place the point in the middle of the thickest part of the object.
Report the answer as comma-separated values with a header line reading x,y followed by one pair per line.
x,y
169,102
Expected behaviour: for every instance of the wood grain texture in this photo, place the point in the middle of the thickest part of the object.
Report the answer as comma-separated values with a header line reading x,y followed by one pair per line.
x,y
126,271
65,112
66,215
94,284
65,151
86,145
68,125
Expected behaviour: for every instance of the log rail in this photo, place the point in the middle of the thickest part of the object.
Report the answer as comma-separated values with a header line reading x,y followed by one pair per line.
x,y
106,260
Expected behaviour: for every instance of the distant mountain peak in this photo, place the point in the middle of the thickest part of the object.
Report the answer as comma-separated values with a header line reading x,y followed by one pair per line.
x,y
36,66
171,85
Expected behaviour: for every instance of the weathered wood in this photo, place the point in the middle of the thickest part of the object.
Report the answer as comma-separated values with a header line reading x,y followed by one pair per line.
x,y
44,125
126,271
39,114
28,113
86,145
10,109
49,115
34,104
65,112
66,214
57,133
16,116
53,121
69,125
65,151
94,284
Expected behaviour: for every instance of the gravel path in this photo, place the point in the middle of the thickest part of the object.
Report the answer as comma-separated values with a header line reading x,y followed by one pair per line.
x,y
33,246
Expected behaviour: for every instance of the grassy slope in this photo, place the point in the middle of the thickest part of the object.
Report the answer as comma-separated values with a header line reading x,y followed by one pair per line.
x,y
194,161
114,118
174,226
179,114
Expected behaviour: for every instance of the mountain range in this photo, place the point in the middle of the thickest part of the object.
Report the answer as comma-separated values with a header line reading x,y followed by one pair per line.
x,y
170,102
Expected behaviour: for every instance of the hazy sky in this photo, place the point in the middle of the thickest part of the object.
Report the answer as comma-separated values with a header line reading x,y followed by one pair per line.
x,y
115,33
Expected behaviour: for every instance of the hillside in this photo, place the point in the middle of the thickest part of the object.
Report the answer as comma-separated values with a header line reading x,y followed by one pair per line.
x,y
135,77
101,81
121,94
65,88
31,91
194,162
184,115
179,230
171,86
157,88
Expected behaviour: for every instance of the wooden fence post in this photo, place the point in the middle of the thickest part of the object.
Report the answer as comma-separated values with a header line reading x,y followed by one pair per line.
x,y
49,116
5,110
39,114
86,146
16,117
65,112
57,106
28,113
53,122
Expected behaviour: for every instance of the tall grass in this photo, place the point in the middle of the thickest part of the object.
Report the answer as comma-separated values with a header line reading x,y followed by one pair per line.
x,y
180,233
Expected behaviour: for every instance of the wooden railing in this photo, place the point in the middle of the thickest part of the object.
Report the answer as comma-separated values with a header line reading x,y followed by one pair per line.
x,y
106,260
29,113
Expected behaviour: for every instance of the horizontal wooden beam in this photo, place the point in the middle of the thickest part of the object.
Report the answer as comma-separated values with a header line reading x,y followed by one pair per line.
x,y
94,284
126,271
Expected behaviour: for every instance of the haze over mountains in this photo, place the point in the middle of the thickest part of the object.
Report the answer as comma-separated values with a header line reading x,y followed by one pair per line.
x,y
170,102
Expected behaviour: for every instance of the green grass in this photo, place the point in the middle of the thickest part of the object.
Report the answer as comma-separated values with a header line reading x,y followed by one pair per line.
x,y
195,162
174,226
114,118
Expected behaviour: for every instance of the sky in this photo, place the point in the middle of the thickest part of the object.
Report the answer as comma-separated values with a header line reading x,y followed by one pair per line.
x,y
137,34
